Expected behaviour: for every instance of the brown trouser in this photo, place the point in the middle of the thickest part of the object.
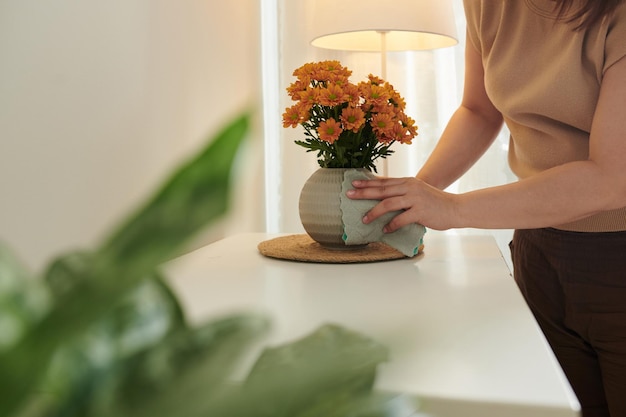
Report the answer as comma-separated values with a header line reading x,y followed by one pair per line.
x,y
575,285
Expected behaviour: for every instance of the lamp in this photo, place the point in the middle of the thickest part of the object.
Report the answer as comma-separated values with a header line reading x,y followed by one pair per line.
x,y
372,25
381,26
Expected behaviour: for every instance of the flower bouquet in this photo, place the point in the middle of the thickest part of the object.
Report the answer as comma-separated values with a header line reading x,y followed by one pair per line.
x,y
348,125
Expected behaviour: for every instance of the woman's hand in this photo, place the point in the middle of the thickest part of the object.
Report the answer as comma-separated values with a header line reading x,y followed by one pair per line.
x,y
421,203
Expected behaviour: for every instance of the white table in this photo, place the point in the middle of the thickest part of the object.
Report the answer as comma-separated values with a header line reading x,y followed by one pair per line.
x,y
462,339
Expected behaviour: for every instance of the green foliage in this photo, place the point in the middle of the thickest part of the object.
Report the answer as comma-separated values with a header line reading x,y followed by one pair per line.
x,y
351,150
100,333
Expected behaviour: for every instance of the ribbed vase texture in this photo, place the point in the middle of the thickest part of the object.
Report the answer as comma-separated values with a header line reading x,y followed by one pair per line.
x,y
320,207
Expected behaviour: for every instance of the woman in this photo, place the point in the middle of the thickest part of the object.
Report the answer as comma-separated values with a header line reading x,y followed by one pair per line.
x,y
554,71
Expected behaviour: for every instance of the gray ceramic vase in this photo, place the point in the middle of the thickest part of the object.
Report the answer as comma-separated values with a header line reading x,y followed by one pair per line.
x,y
320,208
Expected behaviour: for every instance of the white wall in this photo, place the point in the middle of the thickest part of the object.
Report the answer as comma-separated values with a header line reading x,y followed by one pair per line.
x,y
99,99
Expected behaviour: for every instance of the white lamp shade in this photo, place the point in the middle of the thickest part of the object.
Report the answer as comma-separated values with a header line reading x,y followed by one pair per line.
x,y
356,25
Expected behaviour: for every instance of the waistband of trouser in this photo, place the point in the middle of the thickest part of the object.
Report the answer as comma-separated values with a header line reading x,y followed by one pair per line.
x,y
606,221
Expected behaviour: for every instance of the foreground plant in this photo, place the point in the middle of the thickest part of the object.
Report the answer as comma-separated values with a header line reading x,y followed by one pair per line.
x,y
100,333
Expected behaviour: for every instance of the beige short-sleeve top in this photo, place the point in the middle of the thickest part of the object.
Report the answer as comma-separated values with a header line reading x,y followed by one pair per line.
x,y
544,77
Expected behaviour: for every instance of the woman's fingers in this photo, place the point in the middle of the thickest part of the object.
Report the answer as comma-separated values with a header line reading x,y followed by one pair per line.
x,y
395,194
377,189
385,206
380,182
399,221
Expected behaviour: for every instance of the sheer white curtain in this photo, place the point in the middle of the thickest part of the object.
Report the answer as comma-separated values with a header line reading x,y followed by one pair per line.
x,y
430,81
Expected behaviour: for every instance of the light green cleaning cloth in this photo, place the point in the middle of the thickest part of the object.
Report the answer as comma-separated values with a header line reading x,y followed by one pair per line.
x,y
407,239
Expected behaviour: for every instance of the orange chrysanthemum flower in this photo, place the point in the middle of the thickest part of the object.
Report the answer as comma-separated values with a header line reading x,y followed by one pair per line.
x,y
335,67
332,95
382,124
329,130
352,118
409,124
339,80
321,75
383,108
374,95
309,96
375,80
397,100
352,93
305,70
400,133
297,87
295,115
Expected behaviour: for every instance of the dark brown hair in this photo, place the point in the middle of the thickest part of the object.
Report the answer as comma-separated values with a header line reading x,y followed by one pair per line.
x,y
589,13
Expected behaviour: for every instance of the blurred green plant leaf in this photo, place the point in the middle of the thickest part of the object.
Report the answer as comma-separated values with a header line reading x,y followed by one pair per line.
x,y
144,317
23,300
101,334
190,364
327,373
191,199
330,373
194,196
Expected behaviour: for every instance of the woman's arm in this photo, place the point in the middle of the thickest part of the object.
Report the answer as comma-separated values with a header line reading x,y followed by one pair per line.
x,y
573,190
556,196
470,131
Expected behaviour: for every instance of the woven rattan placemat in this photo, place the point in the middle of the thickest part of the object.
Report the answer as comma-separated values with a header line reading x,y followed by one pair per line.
x,y
304,249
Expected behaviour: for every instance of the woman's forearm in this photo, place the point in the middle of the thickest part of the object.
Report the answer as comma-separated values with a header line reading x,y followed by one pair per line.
x,y
466,138
559,195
